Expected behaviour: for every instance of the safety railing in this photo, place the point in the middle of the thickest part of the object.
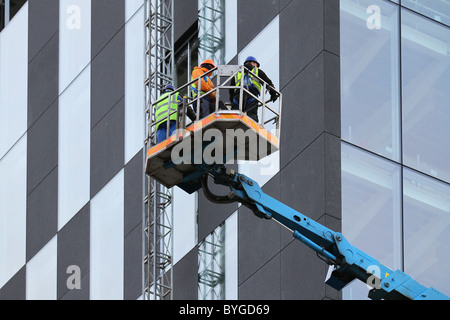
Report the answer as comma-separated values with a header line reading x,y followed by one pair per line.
x,y
269,111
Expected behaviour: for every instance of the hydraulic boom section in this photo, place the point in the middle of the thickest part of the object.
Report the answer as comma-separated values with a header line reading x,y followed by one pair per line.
x,y
347,261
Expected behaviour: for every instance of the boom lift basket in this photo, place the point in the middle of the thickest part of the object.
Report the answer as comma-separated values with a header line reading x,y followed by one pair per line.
x,y
224,136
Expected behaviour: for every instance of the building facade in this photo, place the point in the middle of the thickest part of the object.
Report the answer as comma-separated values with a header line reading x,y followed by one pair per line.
x,y
363,146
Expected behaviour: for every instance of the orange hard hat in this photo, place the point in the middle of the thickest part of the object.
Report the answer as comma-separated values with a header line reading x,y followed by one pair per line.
x,y
209,61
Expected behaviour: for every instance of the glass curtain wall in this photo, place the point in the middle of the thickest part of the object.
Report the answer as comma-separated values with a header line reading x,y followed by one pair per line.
x,y
395,124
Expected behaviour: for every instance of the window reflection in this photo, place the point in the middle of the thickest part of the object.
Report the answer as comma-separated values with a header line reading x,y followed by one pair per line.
x,y
211,25
438,10
8,9
370,77
426,83
186,59
371,209
427,230
268,56
211,266
217,263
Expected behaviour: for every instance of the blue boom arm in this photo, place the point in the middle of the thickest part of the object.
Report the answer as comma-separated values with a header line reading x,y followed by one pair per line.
x,y
349,263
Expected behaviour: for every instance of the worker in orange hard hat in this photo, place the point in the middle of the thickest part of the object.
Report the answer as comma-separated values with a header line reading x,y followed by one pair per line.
x,y
207,103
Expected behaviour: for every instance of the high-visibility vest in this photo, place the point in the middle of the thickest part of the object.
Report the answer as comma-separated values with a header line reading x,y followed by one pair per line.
x,y
207,79
164,107
249,80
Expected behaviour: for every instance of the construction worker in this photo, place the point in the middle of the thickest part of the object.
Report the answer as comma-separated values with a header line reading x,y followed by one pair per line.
x,y
163,109
252,84
207,103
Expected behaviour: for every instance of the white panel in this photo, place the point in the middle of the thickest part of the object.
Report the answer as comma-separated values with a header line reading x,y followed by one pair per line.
x,y
13,80
13,200
184,222
134,85
74,148
74,39
131,6
231,257
230,29
107,241
41,273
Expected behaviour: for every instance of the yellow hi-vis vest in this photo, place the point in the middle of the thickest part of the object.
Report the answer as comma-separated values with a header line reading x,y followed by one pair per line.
x,y
249,80
164,107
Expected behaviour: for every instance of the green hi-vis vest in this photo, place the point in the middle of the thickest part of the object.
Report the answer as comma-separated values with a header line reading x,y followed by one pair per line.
x,y
162,109
205,78
249,80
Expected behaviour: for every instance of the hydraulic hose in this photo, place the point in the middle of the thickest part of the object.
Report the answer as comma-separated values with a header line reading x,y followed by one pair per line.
x,y
213,197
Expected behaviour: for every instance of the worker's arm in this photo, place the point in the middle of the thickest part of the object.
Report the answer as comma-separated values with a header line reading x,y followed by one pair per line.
x,y
266,79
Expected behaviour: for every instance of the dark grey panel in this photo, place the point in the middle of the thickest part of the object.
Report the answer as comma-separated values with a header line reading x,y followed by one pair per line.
x,y
333,204
334,224
303,110
133,201
332,94
108,17
303,181
211,215
331,23
185,277
253,17
74,249
43,79
15,288
133,281
43,23
302,273
79,294
284,3
185,15
107,148
301,36
107,78
259,240
42,214
264,284
42,147
311,105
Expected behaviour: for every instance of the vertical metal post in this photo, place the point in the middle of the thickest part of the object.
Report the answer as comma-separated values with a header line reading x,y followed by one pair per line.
x,y
158,208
